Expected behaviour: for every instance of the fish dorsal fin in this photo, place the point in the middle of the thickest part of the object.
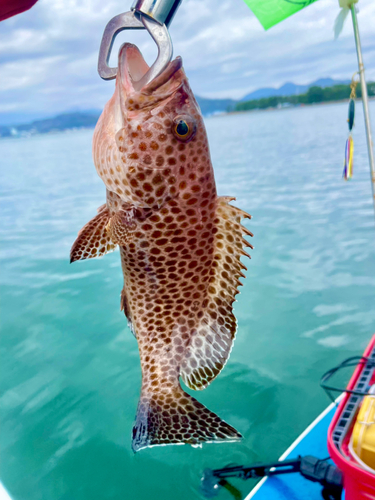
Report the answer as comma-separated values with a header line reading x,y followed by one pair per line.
x,y
212,339
93,239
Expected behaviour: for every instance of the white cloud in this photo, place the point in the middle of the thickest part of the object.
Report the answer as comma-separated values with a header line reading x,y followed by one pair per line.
x,y
48,55
25,74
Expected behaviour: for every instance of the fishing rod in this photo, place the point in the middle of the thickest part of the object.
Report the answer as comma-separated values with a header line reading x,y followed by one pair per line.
x,y
361,71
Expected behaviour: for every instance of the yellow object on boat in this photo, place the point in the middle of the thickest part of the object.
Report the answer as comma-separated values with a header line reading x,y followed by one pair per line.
x,y
363,437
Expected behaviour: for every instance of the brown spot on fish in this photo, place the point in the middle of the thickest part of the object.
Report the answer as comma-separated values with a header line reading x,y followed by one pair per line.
x,y
157,179
159,161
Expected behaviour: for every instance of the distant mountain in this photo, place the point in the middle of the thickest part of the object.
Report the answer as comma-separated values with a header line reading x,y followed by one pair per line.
x,y
7,118
292,89
58,123
211,106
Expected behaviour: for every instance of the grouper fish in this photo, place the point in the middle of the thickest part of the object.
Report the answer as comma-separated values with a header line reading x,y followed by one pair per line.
x,y
180,247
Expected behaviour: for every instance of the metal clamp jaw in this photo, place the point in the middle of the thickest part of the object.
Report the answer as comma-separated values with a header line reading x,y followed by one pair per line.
x,y
161,11
152,15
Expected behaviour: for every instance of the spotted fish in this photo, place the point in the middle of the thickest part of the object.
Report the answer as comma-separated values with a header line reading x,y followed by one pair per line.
x,y
180,247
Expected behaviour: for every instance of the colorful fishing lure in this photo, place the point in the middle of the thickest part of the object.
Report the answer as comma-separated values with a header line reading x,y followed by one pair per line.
x,y
348,162
349,146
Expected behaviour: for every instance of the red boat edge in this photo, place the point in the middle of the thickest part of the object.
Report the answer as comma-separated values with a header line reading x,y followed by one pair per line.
x,y
359,484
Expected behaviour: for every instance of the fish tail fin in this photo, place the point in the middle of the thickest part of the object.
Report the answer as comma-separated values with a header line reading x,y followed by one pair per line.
x,y
175,417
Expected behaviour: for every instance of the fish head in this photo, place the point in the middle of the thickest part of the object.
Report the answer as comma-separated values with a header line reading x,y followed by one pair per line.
x,y
149,141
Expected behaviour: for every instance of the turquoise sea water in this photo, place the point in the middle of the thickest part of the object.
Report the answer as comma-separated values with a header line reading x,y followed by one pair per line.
x,y
70,374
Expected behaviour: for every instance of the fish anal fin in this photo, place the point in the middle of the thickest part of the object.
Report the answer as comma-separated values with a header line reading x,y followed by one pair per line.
x,y
93,239
210,347
190,423
211,341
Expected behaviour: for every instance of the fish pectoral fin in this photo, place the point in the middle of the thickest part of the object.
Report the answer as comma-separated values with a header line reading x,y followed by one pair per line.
x,y
121,227
213,336
93,239
191,422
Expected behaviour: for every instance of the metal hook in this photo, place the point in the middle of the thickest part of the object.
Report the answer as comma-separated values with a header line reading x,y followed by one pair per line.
x,y
161,37
130,20
113,28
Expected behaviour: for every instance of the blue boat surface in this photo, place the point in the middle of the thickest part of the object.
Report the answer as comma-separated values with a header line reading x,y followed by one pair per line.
x,y
313,441
3,493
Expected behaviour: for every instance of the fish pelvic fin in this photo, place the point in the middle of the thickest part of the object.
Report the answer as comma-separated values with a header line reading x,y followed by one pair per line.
x,y
93,239
213,336
174,417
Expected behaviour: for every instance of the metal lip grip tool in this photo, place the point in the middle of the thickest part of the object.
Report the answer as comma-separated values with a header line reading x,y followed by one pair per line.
x,y
152,15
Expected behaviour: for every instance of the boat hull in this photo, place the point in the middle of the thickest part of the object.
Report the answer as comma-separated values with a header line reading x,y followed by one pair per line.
x,y
313,441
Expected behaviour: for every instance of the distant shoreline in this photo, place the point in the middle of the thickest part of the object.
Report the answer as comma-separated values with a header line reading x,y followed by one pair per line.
x,y
54,131
321,91
294,106
314,95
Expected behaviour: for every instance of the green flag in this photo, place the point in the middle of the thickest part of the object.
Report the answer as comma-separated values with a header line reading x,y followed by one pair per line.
x,y
271,12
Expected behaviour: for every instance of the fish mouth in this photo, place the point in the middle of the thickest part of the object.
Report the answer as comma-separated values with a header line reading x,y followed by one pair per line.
x,y
132,67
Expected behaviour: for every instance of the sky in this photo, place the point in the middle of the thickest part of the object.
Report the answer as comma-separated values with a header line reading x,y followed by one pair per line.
x,y
48,55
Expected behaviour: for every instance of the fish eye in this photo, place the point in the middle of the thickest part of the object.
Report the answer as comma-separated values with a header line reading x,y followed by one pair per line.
x,y
184,127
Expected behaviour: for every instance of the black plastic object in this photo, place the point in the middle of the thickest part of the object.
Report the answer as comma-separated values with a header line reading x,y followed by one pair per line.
x,y
312,468
351,113
349,362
